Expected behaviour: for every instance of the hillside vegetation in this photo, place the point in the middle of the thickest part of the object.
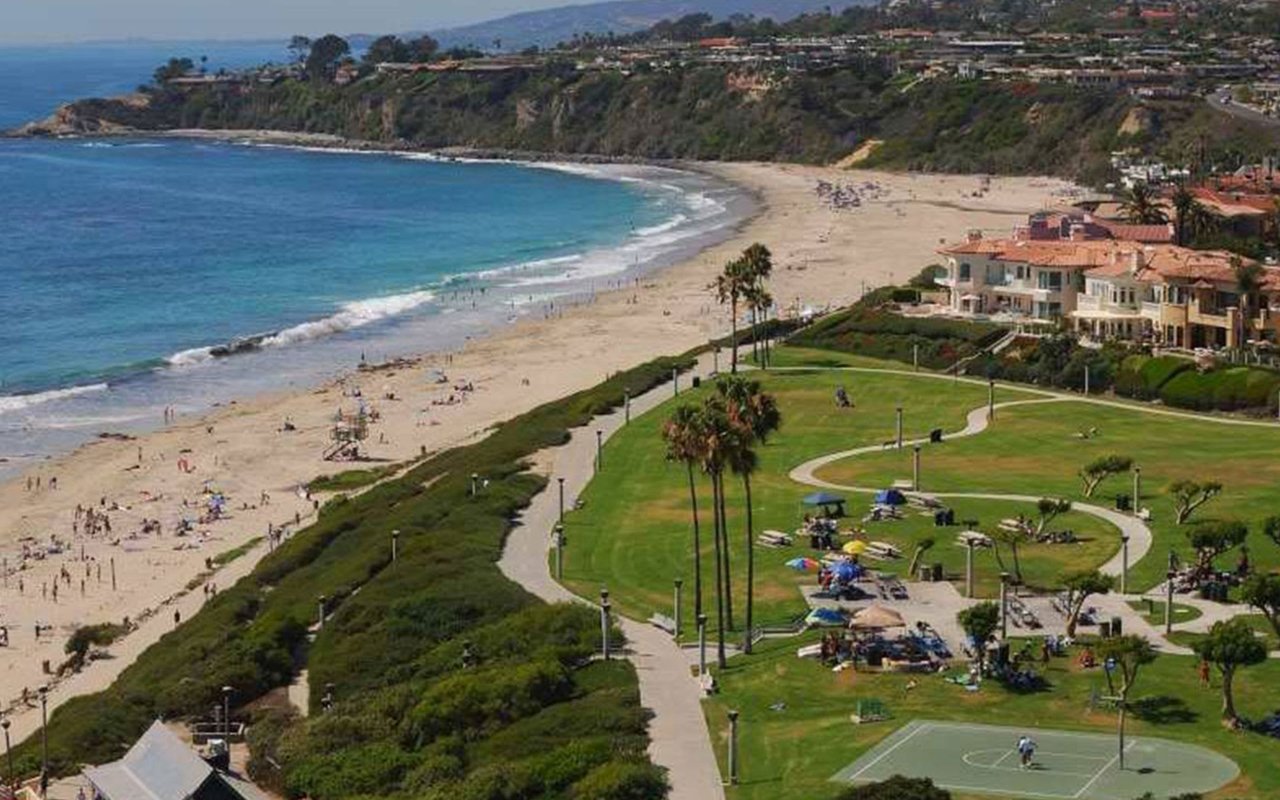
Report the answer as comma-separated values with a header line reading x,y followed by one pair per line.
x,y
703,112
449,681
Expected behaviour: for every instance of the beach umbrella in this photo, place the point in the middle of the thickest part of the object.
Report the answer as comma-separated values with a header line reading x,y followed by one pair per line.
x,y
855,548
844,571
803,564
828,617
874,618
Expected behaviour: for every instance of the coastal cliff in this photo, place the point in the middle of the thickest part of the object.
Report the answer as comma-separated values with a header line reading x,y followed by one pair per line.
x,y
713,113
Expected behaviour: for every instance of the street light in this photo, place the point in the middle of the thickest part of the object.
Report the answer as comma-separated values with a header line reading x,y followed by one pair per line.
x,y
395,545
320,619
1004,605
899,427
599,450
8,752
733,747
557,538
702,644
675,617
561,482
44,740
226,714
604,623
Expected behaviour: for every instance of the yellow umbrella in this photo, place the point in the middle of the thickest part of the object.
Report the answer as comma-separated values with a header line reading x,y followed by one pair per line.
x,y
855,548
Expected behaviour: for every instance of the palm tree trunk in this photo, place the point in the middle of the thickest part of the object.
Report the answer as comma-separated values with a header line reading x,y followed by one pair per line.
x,y
751,565
755,333
728,574
733,332
1228,696
697,547
1017,563
718,524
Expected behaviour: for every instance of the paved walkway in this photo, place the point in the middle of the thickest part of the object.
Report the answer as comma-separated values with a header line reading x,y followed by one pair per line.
x,y
678,735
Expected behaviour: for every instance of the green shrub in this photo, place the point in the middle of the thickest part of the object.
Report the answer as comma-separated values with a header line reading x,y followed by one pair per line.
x,y
622,780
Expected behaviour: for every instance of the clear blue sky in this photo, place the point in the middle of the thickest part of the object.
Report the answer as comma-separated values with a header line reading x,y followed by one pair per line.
x,y
79,20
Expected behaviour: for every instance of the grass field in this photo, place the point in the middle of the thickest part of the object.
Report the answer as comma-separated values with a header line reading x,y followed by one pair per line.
x,y
634,532
1152,611
795,730
1035,449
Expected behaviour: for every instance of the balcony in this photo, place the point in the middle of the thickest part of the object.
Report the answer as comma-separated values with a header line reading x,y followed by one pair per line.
x,y
1152,311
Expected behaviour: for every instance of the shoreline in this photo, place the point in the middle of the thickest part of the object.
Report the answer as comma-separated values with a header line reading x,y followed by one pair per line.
x,y
823,256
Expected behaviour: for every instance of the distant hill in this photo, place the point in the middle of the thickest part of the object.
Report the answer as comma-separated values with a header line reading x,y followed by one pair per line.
x,y
554,25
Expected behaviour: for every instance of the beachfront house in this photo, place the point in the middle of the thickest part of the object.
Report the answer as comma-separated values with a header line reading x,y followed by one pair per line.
x,y
160,766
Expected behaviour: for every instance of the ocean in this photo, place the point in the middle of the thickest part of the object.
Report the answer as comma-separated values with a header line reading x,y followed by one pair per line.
x,y
141,274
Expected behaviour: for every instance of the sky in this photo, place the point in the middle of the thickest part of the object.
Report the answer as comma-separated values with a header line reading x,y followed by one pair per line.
x,y
38,21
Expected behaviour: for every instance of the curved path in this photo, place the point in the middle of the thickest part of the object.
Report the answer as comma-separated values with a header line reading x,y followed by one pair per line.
x,y
678,736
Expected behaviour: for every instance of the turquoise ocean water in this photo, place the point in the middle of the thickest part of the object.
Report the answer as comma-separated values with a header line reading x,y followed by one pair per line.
x,y
136,275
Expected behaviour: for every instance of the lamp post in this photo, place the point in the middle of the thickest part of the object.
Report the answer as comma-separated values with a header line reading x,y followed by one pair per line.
x,y
898,426
1086,380
8,753
475,481
604,623
44,741
626,406
702,644
915,357
561,482
226,713
557,538
915,468
599,450
675,616
733,747
320,617
395,545
1124,563
1168,599
1137,490
715,361
991,398
968,567
1004,605
675,382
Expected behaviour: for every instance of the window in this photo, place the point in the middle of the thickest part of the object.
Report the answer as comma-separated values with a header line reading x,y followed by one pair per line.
x,y
964,271
1050,280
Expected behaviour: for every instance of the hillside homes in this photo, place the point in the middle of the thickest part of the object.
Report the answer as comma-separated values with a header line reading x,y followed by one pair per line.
x,y
1073,273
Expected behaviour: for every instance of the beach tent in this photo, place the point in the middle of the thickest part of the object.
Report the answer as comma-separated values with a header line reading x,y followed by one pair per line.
x,y
874,618
804,564
829,617
890,497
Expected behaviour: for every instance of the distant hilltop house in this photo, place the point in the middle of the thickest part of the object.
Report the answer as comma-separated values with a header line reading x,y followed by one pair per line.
x,y
1109,280
160,766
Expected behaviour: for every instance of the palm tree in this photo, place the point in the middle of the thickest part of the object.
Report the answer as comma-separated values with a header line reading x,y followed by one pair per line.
x,y
683,435
1140,205
1185,206
718,442
1248,281
728,288
758,264
754,415
923,546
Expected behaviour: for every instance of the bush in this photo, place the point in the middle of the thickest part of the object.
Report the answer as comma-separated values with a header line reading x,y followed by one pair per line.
x,y
878,333
622,780
1230,389
896,788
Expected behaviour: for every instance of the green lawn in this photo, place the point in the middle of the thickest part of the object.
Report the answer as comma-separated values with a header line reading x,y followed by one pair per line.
x,y
1258,622
634,532
1035,450
1153,612
796,732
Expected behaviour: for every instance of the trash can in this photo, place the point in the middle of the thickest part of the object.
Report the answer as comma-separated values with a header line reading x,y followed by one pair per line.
x,y
1123,502
1104,629
1116,626
936,574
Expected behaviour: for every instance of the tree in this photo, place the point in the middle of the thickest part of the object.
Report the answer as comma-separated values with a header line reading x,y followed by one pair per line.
x,y
424,48
923,546
1140,205
1098,470
1188,495
1271,529
683,435
896,787
386,49
1050,508
1184,205
1249,278
1212,539
721,441
299,48
1129,654
980,623
729,287
1011,538
175,68
757,263
1080,586
324,55
1262,591
1230,645
755,415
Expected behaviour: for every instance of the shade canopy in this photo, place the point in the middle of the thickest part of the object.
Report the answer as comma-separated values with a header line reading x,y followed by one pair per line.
x,y
846,571
825,616
874,618
823,499
804,564
890,497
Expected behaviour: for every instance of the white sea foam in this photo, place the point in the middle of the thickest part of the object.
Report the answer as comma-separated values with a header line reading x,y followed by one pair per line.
x,y
22,402
352,315
187,358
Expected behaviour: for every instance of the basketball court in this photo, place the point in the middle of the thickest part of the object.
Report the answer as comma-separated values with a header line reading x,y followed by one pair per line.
x,y
967,757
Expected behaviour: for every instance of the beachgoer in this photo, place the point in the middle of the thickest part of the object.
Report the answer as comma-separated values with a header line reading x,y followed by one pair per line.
x,y
1203,670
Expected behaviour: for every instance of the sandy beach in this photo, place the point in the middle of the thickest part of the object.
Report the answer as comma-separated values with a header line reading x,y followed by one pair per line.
x,y
246,453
